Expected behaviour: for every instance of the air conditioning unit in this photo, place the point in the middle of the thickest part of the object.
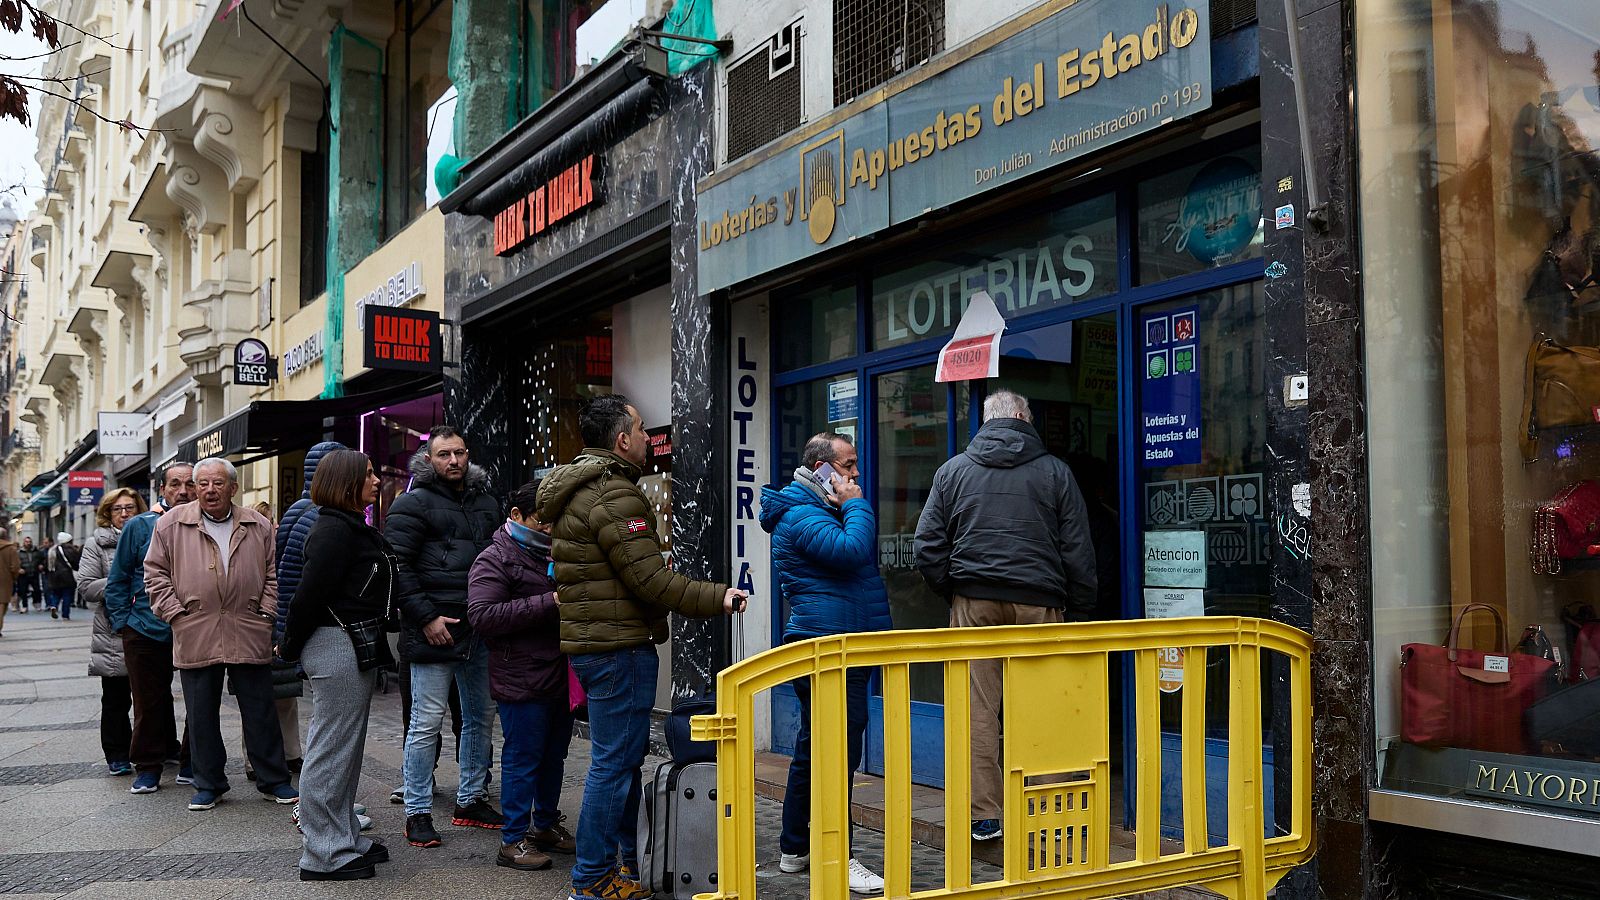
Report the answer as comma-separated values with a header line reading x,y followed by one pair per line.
x,y
763,91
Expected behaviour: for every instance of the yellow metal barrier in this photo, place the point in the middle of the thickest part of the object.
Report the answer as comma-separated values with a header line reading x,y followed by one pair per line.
x,y
1056,758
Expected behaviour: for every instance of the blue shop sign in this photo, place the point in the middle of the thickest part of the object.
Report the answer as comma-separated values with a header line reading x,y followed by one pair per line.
x,y
1050,86
1169,409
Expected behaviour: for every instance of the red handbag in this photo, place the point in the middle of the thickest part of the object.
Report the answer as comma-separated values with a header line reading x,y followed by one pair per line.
x,y
1566,527
1456,697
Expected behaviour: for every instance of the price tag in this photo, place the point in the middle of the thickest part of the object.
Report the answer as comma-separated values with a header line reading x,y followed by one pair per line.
x,y
1497,664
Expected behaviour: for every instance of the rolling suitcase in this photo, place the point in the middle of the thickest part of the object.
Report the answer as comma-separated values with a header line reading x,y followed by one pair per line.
x,y
677,812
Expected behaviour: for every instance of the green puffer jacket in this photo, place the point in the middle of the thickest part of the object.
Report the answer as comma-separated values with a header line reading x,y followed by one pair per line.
x,y
613,587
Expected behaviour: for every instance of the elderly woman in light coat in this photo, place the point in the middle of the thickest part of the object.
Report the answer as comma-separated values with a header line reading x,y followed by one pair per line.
x,y
105,647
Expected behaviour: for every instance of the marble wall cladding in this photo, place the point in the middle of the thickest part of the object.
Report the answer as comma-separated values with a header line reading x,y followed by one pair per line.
x,y
699,366
1313,307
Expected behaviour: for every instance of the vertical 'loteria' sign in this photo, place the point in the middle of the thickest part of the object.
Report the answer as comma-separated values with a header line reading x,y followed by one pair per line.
x,y
576,188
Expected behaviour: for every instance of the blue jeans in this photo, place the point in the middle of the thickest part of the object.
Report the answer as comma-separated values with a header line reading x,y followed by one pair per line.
x,y
621,685
795,837
61,599
536,739
430,703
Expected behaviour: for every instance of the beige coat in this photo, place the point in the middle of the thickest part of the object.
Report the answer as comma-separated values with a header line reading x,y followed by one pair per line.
x,y
215,618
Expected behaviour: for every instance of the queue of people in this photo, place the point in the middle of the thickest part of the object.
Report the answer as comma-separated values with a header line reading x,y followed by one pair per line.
x,y
559,600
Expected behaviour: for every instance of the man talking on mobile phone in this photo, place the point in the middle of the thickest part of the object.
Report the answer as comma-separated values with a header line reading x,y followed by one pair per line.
x,y
614,590
825,550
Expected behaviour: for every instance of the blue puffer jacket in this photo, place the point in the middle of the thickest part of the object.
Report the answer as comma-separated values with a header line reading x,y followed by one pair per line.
x,y
292,531
827,562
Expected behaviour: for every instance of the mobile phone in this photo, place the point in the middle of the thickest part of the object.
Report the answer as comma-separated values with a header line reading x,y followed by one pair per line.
x,y
824,475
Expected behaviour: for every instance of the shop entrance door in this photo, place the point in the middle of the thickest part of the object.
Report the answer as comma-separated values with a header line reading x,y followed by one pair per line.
x,y
1068,372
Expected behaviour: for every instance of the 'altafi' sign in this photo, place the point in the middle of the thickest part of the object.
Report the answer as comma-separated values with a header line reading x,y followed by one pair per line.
x,y
1050,86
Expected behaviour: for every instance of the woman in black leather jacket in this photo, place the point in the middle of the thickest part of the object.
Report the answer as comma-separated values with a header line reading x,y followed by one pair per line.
x,y
348,582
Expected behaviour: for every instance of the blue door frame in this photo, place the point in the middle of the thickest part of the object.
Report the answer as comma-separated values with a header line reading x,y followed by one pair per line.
x,y
927,736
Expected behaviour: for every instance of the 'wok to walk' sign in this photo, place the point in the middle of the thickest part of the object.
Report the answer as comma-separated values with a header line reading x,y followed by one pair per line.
x,y
405,339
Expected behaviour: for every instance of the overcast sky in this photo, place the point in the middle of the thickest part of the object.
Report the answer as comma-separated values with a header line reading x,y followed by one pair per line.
x,y
17,166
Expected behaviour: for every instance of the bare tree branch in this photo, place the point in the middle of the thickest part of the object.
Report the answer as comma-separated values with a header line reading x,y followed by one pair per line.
x,y
124,124
51,52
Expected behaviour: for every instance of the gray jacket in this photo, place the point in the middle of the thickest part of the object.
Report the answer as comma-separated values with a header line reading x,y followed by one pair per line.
x,y
1005,521
105,647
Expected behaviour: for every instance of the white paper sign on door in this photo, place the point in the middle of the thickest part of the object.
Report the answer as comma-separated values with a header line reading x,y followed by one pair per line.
x,y
974,350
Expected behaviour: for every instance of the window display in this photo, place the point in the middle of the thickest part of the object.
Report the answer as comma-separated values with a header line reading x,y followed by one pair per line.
x,y
1479,129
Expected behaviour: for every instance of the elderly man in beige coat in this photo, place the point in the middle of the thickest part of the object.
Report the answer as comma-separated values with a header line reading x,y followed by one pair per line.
x,y
210,575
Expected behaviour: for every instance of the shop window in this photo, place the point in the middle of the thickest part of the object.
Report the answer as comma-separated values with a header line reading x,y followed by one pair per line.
x,y
550,47
1028,263
417,103
1205,525
1480,219
1200,216
314,219
818,326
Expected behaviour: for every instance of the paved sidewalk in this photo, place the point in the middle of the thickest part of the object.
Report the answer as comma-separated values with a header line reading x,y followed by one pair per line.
x,y
73,831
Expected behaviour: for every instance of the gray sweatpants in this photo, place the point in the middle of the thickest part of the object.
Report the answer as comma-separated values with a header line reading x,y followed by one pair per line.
x,y
341,699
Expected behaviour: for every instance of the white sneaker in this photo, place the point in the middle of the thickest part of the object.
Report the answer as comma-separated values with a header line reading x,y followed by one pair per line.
x,y
365,821
794,862
862,881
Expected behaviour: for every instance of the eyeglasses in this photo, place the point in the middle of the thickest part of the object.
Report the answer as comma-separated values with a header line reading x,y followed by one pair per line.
x,y
124,508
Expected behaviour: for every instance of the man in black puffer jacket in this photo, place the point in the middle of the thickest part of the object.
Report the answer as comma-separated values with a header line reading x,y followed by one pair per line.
x,y
437,529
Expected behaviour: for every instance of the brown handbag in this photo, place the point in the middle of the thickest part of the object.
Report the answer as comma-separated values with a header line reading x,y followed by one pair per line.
x,y
1561,388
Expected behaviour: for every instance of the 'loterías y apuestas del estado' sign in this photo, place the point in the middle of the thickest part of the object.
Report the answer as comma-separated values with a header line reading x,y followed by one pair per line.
x,y
1049,86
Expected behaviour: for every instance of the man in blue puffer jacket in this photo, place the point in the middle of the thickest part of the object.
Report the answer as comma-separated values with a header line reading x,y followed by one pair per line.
x,y
291,556
825,550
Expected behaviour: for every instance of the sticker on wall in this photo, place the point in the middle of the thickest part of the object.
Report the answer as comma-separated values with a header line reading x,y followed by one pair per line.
x,y
1228,545
1171,603
844,400
1277,270
1283,217
1221,210
1169,669
1200,495
1163,503
1170,390
1285,184
1242,496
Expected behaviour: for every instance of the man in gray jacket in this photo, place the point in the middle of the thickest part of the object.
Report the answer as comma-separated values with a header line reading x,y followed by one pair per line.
x,y
1004,536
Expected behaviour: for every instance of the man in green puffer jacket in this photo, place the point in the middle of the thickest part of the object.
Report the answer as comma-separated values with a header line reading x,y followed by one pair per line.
x,y
615,591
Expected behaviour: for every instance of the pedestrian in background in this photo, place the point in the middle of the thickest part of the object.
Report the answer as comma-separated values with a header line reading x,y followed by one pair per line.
x,y
147,640
437,529
344,594
211,577
1005,536
825,551
61,575
511,603
105,648
30,588
616,592
10,571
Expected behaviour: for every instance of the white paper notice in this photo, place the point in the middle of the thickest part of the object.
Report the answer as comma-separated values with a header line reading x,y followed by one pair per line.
x,y
1171,603
974,350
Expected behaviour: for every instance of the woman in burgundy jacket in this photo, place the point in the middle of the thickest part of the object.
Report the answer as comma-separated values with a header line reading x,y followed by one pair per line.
x,y
511,603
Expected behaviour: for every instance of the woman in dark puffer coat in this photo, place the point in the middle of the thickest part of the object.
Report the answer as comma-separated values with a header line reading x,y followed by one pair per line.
x,y
105,647
511,603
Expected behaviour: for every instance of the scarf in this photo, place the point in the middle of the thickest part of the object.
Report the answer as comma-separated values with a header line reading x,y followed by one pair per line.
x,y
536,543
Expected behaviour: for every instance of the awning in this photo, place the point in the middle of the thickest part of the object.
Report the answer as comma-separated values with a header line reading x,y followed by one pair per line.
x,y
270,427
47,482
